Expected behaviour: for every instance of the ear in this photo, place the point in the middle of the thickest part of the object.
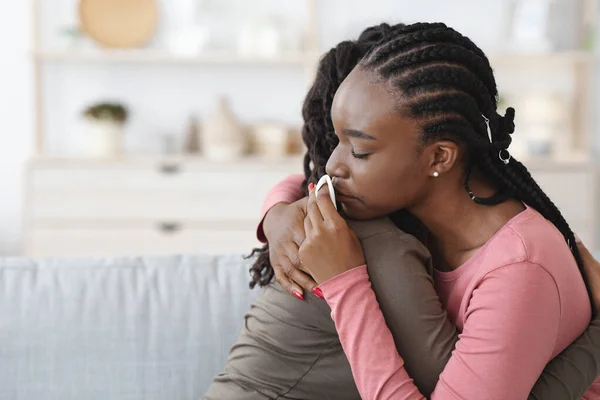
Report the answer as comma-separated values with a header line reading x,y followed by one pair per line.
x,y
443,156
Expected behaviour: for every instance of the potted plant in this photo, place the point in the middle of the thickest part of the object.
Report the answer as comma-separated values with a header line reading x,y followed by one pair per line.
x,y
104,128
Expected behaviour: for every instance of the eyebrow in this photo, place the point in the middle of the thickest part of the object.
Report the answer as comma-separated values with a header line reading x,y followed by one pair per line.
x,y
357,134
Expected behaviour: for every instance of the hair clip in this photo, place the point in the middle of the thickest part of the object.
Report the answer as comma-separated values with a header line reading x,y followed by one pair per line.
x,y
487,124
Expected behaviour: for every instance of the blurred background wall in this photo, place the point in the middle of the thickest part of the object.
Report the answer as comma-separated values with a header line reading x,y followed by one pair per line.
x,y
16,103
251,61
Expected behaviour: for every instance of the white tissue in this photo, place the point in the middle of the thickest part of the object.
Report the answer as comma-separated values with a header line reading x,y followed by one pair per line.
x,y
327,179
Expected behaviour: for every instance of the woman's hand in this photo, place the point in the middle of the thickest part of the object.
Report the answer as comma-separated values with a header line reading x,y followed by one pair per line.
x,y
330,247
284,229
591,268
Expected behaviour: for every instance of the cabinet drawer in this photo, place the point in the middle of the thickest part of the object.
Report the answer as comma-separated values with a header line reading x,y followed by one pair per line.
x,y
110,242
212,193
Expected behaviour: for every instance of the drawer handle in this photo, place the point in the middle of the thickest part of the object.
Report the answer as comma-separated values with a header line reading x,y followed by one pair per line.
x,y
169,169
169,227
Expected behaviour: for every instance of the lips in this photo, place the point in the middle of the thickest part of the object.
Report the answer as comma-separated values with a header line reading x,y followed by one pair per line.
x,y
340,194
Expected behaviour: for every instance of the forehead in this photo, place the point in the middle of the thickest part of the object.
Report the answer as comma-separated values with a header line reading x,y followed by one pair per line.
x,y
363,103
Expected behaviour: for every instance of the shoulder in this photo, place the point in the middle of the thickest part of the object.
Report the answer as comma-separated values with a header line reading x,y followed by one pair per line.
x,y
382,229
539,239
518,291
385,244
523,274
528,240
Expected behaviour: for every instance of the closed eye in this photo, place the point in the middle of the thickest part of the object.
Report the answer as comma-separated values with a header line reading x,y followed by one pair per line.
x,y
360,156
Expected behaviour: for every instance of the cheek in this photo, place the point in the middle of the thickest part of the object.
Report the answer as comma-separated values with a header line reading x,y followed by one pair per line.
x,y
393,187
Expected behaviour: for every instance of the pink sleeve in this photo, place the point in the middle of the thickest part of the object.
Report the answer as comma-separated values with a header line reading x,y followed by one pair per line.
x,y
286,191
500,353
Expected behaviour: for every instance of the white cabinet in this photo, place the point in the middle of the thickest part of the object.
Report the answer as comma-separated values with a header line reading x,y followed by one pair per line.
x,y
146,206
153,206
79,240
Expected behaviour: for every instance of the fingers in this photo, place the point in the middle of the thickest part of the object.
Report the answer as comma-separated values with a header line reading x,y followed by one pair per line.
x,y
289,275
302,279
326,206
290,286
294,280
293,268
283,255
314,214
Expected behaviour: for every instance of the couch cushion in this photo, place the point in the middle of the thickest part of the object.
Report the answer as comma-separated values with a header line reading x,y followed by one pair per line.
x,y
128,328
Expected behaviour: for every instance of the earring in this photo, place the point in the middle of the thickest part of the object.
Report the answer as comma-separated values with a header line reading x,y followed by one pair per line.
x,y
436,174
504,156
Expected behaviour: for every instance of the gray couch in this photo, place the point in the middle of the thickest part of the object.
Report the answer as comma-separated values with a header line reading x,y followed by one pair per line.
x,y
130,328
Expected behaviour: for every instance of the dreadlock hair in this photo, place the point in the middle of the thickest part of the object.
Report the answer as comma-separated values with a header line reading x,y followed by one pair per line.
x,y
317,132
446,82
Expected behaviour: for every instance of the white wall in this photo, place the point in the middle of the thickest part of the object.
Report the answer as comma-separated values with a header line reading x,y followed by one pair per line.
x,y
162,97
16,124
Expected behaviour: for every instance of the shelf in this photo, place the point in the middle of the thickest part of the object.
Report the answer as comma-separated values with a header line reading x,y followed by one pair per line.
x,y
153,159
163,57
562,57
571,163
497,59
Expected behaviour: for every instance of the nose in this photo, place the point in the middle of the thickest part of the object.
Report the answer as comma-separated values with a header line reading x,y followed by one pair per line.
x,y
335,166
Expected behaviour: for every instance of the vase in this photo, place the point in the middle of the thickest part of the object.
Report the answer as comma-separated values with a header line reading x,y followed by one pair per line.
x,y
192,137
271,140
222,136
103,138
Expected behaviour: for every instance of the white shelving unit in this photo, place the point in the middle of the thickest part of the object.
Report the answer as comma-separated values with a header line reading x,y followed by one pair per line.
x,y
580,62
153,204
305,60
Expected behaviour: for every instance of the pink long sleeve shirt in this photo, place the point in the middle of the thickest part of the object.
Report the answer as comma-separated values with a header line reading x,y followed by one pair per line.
x,y
518,302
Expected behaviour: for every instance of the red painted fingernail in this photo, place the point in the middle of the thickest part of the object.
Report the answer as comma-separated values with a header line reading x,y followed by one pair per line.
x,y
298,295
311,186
318,292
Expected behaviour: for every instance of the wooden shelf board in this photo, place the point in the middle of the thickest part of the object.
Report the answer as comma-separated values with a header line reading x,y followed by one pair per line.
x,y
136,160
566,163
163,57
158,56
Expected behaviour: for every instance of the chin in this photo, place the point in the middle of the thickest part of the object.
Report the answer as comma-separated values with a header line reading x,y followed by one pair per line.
x,y
361,213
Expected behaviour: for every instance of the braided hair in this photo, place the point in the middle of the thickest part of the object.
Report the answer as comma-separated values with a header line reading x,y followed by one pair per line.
x,y
318,133
446,82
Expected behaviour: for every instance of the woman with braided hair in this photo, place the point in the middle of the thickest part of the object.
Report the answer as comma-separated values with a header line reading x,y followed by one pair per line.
x,y
418,130
290,349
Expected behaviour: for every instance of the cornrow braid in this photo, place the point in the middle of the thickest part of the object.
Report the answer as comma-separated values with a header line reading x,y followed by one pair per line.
x,y
444,80
317,132
457,77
